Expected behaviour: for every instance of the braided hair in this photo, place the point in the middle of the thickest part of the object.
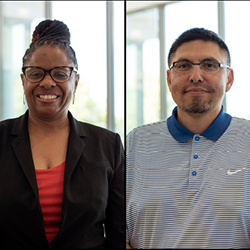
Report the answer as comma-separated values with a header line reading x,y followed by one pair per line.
x,y
51,33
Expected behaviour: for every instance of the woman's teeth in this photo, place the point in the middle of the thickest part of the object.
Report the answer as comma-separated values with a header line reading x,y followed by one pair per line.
x,y
47,97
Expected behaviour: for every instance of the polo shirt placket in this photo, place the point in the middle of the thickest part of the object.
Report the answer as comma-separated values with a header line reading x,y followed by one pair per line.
x,y
200,146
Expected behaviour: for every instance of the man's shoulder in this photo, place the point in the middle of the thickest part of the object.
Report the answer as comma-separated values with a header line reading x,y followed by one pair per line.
x,y
150,128
239,126
237,121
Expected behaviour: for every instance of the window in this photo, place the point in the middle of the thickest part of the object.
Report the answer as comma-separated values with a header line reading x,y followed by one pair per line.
x,y
238,40
87,22
119,74
145,29
89,43
206,17
143,87
18,20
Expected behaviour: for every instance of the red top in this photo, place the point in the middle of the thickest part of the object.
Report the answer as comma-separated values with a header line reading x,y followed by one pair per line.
x,y
50,187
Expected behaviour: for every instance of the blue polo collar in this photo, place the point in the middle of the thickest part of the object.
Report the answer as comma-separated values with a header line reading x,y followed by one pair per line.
x,y
213,132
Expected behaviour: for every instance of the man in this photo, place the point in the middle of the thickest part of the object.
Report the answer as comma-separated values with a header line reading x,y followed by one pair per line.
x,y
188,179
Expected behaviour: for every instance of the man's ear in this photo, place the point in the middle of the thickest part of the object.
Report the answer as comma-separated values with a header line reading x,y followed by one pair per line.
x,y
169,79
230,79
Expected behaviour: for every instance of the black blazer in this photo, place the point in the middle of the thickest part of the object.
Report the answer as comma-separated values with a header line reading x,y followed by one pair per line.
x,y
93,190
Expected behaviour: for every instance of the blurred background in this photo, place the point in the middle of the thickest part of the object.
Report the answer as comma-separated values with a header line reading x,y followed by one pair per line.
x,y
152,27
97,36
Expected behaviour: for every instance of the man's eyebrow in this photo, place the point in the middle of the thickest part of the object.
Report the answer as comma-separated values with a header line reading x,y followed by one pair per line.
x,y
210,59
184,59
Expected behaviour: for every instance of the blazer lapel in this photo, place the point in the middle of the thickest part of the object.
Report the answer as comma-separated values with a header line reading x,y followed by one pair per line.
x,y
21,147
75,147
22,144
74,152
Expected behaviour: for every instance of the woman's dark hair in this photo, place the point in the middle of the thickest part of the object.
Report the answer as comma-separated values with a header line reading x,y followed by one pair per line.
x,y
51,33
198,34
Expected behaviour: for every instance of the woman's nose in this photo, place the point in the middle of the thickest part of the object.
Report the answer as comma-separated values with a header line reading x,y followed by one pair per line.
x,y
47,81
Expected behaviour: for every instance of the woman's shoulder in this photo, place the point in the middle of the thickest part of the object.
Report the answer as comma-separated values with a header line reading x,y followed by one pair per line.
x,y
93,127
90,129
16,122
8,124
97,132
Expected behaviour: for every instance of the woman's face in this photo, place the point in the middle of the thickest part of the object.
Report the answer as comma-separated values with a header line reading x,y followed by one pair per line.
x,y
48,99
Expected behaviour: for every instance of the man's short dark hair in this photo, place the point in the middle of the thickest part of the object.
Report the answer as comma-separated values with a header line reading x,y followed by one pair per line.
x,y
198,34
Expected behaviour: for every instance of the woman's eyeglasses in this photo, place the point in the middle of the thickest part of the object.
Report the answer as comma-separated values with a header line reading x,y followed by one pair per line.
x,y
58,74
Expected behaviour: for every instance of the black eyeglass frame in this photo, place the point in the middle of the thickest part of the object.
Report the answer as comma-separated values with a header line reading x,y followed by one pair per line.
x,y
221,65
72,69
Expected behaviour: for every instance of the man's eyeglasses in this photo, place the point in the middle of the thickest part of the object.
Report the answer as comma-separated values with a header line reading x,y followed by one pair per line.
x,y
58,74
206,66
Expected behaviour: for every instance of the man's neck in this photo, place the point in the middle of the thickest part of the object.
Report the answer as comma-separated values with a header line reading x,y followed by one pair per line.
x,y
197,123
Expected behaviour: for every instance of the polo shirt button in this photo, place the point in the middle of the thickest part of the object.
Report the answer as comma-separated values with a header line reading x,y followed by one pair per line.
x,y
194,173
195,156
197,138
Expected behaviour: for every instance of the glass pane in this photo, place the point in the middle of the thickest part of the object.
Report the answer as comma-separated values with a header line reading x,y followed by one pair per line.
x,y
143,83
86,21
119,66
19,20
237,38
186,15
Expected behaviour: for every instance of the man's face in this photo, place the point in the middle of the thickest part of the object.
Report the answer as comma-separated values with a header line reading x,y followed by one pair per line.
x,y
196,92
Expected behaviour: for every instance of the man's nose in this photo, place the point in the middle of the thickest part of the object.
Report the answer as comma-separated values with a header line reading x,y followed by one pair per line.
x,y
196,74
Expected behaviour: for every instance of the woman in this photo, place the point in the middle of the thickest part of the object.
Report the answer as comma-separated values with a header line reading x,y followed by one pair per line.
x,y
61,180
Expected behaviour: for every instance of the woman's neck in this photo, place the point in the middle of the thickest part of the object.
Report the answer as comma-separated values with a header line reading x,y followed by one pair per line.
x,y
48,125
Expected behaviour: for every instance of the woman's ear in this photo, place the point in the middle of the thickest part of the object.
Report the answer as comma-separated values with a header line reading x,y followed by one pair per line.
x,y
22,78
77,78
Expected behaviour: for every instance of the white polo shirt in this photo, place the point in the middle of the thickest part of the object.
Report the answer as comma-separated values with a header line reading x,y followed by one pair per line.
x,y
188,190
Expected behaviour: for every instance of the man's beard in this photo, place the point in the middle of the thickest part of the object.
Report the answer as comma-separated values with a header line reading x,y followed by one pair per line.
x,y
197,106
